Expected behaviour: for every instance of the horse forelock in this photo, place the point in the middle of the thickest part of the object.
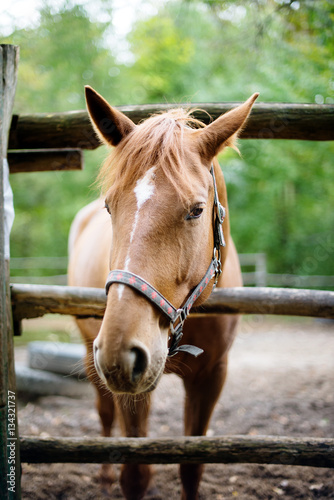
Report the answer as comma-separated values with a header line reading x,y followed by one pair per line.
x,y
157,141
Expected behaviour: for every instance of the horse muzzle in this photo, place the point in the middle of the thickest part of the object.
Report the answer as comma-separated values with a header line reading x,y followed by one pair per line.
x,y
133,370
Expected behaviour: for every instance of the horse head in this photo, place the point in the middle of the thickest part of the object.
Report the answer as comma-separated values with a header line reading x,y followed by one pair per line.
x,y
160,192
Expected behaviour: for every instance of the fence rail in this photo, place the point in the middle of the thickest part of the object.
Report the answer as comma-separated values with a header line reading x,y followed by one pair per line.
x,y
316,452
259,277
267,121
31,301
293,280
54,263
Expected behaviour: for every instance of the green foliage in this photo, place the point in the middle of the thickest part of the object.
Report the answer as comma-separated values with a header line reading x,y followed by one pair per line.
x,y
162,53
57,58
281,199
281,193
60,56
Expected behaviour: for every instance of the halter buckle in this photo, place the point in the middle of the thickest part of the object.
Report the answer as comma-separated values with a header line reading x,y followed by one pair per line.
x,y
176,330
221,212
176,335
179,322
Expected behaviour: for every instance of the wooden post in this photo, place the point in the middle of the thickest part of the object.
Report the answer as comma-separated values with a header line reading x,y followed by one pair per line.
x,y
261,270
9,443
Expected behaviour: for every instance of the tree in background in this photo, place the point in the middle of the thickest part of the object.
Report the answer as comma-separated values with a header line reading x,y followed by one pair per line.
x,y
58,57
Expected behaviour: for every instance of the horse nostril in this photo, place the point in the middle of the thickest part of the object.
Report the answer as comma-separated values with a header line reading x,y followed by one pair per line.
x,y
140,362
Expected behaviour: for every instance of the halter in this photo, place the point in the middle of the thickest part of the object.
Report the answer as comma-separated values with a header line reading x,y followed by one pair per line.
x,y
177,317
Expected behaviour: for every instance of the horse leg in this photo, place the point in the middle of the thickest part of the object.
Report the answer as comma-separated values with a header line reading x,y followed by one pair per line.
x,y
202,393
104,399
134,413
106,409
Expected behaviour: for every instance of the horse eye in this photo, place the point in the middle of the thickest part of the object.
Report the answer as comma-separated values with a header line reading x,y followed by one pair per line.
x,y
107,207
195,213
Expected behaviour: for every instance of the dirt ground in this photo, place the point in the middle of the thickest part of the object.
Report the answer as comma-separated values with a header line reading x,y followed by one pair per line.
x,y
280,382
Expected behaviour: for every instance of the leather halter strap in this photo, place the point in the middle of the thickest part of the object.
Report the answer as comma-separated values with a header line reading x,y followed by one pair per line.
x,y
177,317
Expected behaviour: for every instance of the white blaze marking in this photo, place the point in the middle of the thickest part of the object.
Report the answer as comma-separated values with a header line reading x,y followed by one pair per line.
x,y
144,190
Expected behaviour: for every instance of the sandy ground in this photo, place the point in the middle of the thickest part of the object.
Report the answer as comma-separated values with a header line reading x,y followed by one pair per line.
x,y
280,382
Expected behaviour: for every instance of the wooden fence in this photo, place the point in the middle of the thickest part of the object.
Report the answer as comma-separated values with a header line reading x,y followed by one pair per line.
x,y
52,142
316,452
32,301
46,271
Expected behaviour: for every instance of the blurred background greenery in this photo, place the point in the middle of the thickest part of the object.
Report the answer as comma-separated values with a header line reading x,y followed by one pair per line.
x,y
281,193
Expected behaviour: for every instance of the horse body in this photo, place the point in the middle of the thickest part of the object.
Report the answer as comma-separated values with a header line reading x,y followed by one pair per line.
x,y
160,198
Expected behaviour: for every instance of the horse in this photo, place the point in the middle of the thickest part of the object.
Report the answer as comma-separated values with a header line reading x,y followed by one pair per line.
x,y
161,234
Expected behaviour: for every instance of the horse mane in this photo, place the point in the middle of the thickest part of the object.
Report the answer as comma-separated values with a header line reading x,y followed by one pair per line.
x,y
157,141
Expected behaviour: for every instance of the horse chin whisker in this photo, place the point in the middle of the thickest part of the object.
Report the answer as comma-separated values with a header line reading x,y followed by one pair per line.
x,y
178,367
100,385
77,370
106,392
129,401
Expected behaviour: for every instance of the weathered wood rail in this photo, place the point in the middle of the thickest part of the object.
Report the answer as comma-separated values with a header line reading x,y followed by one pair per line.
x,y
316,452
313,122
30,301
9,55
43,160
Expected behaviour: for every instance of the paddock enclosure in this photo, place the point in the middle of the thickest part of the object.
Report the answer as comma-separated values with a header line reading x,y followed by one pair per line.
x,y
36,143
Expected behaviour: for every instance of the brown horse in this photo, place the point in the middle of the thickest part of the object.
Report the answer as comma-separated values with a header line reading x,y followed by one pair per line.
x,y
162,184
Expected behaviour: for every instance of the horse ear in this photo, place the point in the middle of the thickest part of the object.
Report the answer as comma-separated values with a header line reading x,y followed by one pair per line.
x,y
223,131
110,124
